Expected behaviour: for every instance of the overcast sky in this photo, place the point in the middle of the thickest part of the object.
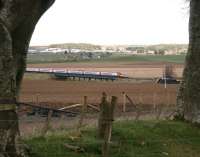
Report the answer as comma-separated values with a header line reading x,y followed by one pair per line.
x,y
114,22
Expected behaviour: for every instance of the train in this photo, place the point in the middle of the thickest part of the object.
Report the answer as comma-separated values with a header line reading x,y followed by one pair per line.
x,y
63,73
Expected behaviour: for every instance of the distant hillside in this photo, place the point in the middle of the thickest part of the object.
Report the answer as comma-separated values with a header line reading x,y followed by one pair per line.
x,y
82,46
91,47
38,48
167,46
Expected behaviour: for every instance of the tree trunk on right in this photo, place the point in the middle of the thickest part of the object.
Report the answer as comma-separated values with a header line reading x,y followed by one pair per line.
x,y
188,99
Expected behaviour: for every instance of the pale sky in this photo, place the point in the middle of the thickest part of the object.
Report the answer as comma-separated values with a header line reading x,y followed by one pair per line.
x,y
114,22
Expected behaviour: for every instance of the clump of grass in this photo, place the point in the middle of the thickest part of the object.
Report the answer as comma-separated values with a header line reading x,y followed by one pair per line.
x,y
37,76
130,139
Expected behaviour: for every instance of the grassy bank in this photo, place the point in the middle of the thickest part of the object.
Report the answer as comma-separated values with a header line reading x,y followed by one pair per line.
x,y
130,139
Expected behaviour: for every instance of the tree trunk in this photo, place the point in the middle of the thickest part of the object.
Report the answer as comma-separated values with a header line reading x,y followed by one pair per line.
x,y
188,99
17,22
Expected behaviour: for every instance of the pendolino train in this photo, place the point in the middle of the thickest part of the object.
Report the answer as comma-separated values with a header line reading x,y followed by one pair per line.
x,y
62,73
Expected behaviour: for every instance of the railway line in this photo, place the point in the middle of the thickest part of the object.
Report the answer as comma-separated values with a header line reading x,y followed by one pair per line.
x,y
62,73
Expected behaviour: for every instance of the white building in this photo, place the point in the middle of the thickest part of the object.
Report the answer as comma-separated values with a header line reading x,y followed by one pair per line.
x,y
150,52
53,50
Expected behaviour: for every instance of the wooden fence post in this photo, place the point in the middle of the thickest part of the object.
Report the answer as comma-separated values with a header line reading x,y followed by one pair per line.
x,y
83,113
106,118
139,108
47,123
154,103
103,108
111,116
131,101
124,101
108,129
37,99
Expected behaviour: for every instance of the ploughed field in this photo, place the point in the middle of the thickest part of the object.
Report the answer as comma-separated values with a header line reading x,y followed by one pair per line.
x,y
42,90
37,88
69,92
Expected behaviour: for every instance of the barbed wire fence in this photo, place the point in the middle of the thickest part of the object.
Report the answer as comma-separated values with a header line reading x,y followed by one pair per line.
x,y
37,120
127,108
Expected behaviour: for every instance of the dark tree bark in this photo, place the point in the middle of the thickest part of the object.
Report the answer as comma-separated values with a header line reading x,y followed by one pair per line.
x,y
189,94
17,22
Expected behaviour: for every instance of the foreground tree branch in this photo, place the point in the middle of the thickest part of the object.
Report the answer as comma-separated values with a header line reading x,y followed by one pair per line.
x,y
17,22
189,94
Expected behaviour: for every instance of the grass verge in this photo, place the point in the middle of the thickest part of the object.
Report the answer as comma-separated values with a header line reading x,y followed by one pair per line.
x,y
129,139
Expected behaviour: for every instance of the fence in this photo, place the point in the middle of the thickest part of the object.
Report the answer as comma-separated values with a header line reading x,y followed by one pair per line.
x,y
78,116
128,109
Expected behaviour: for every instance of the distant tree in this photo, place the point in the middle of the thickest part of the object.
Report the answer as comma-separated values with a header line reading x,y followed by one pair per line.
x,y
161,52
169,70
90,55
17,22
188,99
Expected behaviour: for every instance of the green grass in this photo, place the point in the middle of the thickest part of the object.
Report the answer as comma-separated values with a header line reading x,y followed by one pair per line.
x,y
61,58
46,58
130,139
37,76
150,58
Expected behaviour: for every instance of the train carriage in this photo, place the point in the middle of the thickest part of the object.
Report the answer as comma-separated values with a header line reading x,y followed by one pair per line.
x,y
65,73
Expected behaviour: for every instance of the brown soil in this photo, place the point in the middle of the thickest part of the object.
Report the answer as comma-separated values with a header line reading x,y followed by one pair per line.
x,y
73,91
43,90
